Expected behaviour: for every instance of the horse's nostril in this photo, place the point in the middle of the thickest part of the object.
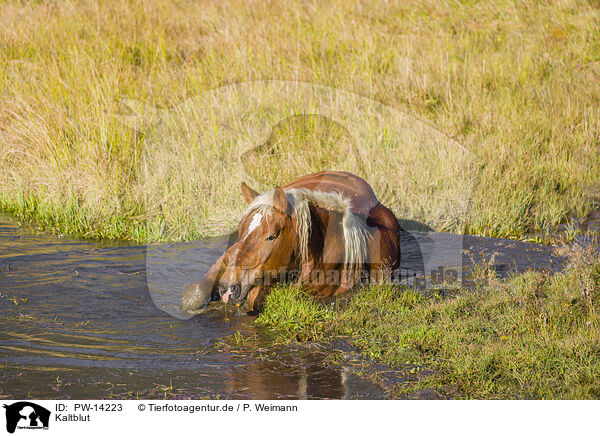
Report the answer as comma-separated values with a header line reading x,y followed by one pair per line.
x,y
236,291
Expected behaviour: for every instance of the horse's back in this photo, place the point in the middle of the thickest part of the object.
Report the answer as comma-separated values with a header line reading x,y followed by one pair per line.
x,y
379,218
349,185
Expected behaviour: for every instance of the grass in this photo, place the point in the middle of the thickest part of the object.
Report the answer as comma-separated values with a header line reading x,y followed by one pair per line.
x,y
295,314
515,83
530,336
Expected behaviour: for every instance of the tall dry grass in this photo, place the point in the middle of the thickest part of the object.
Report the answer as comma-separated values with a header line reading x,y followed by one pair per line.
x,y
516,83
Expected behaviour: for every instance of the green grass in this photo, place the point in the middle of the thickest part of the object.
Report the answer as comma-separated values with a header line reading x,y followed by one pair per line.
x,y
530,336
515,82
294,314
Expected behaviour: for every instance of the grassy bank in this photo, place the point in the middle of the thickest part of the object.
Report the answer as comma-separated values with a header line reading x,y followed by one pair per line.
x,y
530,336
516,83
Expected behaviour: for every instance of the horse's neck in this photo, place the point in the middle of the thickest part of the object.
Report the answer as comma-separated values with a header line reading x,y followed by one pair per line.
x,y
325,230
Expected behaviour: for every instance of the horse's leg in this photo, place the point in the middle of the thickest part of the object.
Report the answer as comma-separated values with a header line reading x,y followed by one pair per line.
x,y
324,282
256,298
197,295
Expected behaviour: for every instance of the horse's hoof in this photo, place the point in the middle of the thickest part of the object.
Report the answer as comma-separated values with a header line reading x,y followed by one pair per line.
x,y
195,298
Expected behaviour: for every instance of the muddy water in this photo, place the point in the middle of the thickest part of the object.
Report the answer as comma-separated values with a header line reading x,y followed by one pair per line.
x,y
77,320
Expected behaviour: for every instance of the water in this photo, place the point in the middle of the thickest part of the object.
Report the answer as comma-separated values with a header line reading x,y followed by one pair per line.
x,y
77,321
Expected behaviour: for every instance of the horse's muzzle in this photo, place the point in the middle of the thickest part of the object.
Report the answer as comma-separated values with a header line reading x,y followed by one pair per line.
x,y
232,294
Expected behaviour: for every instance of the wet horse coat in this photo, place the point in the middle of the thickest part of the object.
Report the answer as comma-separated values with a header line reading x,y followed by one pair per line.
x,y
328,227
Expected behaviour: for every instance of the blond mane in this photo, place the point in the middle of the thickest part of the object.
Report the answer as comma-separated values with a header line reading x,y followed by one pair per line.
x,y
356,235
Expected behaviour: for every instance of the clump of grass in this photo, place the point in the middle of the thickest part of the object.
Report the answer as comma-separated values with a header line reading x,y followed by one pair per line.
x,y
294,314
483,272
534,335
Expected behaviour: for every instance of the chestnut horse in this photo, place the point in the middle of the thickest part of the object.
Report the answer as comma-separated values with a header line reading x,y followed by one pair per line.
x,y
326,231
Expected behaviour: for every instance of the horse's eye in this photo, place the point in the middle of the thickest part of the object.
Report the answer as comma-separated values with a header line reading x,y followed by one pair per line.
x,y
272,237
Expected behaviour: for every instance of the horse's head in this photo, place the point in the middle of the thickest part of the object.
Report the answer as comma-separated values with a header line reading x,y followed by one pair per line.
x,y
267,243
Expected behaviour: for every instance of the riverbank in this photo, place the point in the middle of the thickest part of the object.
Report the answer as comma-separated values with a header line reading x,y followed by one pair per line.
x,y
530,336
515,84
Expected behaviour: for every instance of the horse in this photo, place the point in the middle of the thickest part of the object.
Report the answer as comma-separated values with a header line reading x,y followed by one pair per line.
x,y
326,231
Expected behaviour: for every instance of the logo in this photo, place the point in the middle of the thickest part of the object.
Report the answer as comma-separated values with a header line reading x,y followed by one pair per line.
x,y
24,414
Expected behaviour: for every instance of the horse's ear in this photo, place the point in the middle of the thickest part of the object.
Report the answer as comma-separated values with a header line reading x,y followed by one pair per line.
x,y
279,200
248,193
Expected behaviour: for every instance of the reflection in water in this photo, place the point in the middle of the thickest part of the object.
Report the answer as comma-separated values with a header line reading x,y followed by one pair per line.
x,y
307,379
77,321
